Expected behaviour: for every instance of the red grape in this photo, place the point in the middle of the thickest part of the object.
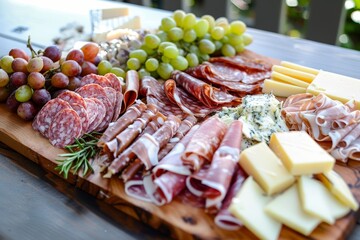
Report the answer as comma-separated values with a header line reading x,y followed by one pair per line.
x,y
70,68
87,68
48,64
57,93
19,65
17,79
4,78
96,60
60,80
4,94
76,55
36,80
11,102
74,83
35,64
19,53
40,97
53,52
26,111
90,51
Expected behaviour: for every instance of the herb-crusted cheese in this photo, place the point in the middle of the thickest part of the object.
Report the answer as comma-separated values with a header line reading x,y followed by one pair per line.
x,y
260,115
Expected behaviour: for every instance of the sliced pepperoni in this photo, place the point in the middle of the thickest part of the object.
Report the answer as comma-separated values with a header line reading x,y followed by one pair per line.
x,y
65,127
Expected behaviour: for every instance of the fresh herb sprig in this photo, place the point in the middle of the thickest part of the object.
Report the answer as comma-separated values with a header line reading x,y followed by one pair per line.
x,y
79,155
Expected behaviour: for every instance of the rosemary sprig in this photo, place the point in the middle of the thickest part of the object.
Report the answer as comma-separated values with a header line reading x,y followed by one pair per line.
x,y
79,155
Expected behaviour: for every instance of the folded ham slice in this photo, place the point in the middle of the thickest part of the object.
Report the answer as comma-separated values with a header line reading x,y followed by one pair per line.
x,y
131,89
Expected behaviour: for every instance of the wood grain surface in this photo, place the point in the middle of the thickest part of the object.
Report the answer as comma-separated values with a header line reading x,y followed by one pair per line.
x,y
176,220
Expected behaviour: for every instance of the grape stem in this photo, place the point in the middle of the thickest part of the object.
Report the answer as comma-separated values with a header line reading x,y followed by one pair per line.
x,y
33,52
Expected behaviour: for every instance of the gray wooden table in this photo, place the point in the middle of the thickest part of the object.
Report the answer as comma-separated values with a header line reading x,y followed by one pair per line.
x,y
32,206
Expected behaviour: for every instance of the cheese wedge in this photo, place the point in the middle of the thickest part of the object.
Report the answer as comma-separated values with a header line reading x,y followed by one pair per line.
x,y
281,89
336,86
287,79
337,186
299,67
303,76
266,168
248,206
300,153
313,199
286,208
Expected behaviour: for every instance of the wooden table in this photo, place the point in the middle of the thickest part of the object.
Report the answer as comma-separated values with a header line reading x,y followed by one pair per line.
x,y
35,204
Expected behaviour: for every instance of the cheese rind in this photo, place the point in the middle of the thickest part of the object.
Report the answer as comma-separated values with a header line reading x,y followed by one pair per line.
x,y
266,168
248,206
286,208
339,188
300,153
281,89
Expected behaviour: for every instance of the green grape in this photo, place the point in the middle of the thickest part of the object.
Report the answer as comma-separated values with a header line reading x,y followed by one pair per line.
x,y
178,16
224,23
133,63
142,73
167,23
237,27
207,36
189,35
181,52
194,49
210,19
206,46
163,45
6,62
201,27
218,45
175,34
179,63
217,33
164,70
228,50
119,72
23,93
235,39
151,64
139,54
4,78
148,50
204,57
189,21
192,59
163,36
165,59
104,67
225,39
171,52
239,48
152,41
247,39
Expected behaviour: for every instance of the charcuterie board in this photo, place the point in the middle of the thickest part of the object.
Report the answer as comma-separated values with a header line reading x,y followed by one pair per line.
x,y
177,220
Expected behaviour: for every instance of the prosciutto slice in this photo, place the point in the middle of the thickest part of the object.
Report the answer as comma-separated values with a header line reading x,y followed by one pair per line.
x,y
205,93
204,143
131,89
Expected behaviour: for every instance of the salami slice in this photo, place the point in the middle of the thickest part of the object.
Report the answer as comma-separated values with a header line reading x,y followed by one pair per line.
x,y
118,104
116,82
72,98
65,127
99,115
47,113
81,111
91,109
131,89
96,79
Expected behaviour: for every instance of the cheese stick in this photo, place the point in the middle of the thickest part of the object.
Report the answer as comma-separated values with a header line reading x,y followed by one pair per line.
x,y
303,76
299,67
284,78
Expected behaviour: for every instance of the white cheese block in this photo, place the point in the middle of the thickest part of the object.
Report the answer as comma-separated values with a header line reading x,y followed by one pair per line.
x,y
286,208
313,199
300,153
337,186
281,89
248,207
266,168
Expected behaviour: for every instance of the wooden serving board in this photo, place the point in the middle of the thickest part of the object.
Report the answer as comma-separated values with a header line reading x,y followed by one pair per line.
x,y
176,220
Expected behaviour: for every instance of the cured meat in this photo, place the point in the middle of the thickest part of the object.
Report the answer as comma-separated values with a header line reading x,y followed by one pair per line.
x,y
154,93
135,188
115,82
92,109
125,120
65,127
96,79
205,93
84,119
72,98
224,218
47,113
131,89
213,182
98,116
230,78
118,104
204,143
185,101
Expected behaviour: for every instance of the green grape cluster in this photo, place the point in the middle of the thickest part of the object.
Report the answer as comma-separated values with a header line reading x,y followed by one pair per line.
x,y
183,41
